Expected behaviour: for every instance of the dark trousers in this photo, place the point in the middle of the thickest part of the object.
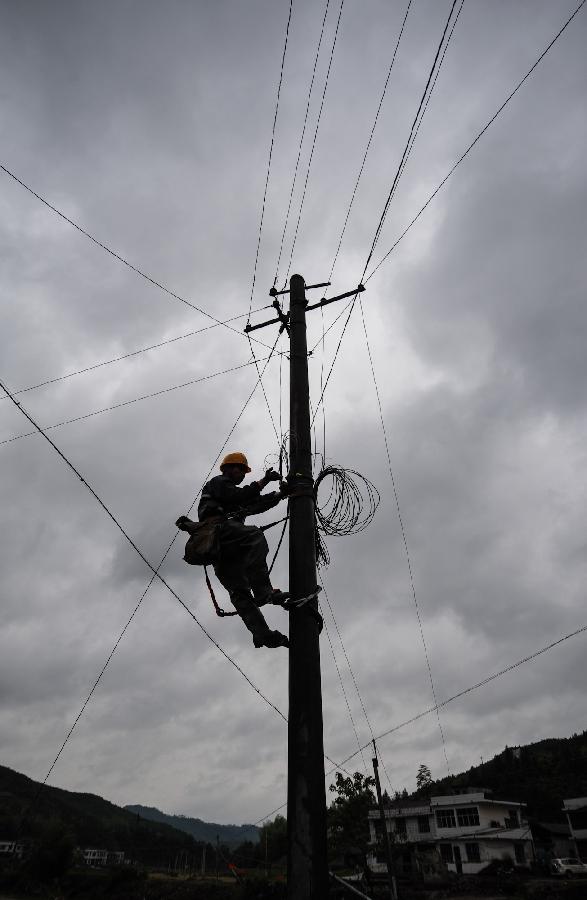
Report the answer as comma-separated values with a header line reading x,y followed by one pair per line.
x,y
242,570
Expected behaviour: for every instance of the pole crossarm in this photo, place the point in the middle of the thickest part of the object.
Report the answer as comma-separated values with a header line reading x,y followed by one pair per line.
x,y
281,317
284,318
326,300
308,287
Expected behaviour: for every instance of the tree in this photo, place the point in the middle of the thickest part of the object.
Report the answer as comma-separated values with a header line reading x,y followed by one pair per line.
x,y
423,778
274,834
348,823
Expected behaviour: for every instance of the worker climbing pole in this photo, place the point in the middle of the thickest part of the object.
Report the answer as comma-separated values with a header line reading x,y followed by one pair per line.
x,y
238,553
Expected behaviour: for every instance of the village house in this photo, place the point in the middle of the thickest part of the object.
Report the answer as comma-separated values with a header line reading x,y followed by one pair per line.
x,y
95,857
13,849
467,831
576,812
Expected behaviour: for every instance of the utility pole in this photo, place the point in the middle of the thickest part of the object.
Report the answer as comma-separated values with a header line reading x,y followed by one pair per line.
x,y
307,864
387,843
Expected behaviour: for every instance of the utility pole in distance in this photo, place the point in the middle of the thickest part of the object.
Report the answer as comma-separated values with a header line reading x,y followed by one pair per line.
x,y
307,864
386,841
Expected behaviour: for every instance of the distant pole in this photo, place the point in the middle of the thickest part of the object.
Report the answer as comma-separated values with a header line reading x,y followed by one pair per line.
x,y
204,859
390,872
217,849
307,865
266,866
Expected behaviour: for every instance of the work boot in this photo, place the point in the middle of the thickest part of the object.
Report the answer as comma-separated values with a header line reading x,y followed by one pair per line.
x,y
270,639
276,597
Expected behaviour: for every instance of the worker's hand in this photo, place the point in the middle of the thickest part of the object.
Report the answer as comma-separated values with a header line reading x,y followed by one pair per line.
x,y
284,489
271,475
183,523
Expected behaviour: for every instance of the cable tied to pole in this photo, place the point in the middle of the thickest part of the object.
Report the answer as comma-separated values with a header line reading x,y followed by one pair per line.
x,y
348,509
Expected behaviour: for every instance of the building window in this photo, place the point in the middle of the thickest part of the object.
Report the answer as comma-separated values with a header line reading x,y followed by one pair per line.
x,y
446,853
445,818
400,826
473,853
511,820
578,819
468,816
519,853
423,824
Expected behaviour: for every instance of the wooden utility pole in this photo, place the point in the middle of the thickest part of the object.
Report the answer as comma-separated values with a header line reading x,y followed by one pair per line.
x,y
386,841
307,865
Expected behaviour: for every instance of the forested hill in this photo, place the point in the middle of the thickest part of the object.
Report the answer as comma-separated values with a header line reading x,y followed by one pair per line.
x,y
201,831
28,809
541,775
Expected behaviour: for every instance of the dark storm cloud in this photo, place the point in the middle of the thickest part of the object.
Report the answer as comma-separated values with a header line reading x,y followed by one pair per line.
x,y
151,128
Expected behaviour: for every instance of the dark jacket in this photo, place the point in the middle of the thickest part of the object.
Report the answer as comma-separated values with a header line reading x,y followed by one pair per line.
x,y
222,497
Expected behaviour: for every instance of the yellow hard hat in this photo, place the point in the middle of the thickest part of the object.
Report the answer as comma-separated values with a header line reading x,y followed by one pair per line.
x,y
235,459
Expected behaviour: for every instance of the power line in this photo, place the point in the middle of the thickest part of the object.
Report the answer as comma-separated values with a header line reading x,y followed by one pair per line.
x,y
115,359
348,662
121,259
478,137
409,143
475,687
443,703
404,536
295,237
144,594
407,150
344,693
155,571
104,409
368,147
254,279
293,184
270,156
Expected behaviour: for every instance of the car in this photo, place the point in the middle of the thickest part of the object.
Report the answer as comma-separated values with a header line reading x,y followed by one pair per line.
x,y
568,865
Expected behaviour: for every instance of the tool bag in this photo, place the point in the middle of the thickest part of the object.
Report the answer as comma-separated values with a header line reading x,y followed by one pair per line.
x,y
203,545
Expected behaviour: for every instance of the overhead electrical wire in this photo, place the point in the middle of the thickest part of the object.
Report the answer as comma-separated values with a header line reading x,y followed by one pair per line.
x,y
155,571
346,699
124,261
295,237
429,87
474,687
409,143
352,674
430,83
98,412
476,139
254,278
115,359
369,142
404,536
426,712
559,33
295,175
270,156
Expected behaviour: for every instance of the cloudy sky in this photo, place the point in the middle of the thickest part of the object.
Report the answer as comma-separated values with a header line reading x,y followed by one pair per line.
x,y
149,125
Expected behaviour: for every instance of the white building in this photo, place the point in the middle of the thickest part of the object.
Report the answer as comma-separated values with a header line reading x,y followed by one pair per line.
x,y
96,857
576,811
11,848
468,831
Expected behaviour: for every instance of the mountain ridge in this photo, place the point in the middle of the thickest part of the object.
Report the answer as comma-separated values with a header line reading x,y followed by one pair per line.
x,y
198,828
